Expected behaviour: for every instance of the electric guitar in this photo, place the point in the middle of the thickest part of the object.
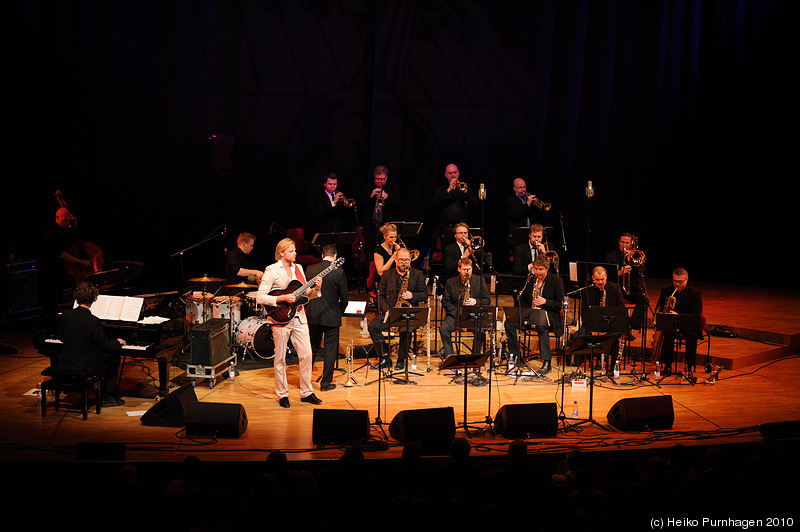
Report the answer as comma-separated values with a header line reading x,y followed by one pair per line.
x,y
284,312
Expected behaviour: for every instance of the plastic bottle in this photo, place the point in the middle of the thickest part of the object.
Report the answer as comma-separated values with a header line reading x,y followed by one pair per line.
x,y
616,370
232,372
656,372
575,410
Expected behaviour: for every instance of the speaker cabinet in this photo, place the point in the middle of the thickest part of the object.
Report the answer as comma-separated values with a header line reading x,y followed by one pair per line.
x,y
171,410
332,426
640,413
521,421
434,428
211,342
222,420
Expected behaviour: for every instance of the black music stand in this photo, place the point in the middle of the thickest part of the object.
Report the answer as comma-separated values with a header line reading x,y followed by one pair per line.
x,y
337,239
465,362
679,325
585,345
407,317
477,318
608,320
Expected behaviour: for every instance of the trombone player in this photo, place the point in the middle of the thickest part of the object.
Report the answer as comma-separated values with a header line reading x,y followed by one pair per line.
x,y
463,248
633,287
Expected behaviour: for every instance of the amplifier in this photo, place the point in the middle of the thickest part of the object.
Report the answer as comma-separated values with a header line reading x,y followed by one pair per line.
x,y
211,342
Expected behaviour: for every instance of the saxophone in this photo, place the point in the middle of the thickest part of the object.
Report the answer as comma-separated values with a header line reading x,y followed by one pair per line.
x,y
403,289
466,293
536,292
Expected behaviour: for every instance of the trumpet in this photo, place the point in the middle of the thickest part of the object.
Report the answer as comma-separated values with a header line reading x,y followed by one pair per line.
x,y
460,185
347,202
476,243
379,199
536,202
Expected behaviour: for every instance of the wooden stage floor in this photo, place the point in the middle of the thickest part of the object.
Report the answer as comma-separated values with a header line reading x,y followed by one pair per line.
x,y
758,386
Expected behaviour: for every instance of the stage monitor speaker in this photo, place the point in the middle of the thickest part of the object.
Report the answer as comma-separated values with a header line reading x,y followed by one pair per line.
x,y
521,421
333,426
211,342
641,413
223,420
780,429
433,428
171,410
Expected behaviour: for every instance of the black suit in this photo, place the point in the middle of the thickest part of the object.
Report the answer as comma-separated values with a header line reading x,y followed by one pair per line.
x,y
390,212
690,301
592,297
637,294
518,213
451,254
325,316
87,350
451,301
331,219
553,292
389,292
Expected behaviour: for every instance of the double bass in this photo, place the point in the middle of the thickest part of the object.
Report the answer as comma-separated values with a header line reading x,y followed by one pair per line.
x,y
80,248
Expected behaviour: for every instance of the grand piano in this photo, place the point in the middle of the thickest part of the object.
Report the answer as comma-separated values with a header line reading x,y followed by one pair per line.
x,y
143,338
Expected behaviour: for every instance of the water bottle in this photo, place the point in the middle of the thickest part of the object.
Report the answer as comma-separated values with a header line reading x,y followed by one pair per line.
x,y
616,370
414,362
232,372
575,410
656,372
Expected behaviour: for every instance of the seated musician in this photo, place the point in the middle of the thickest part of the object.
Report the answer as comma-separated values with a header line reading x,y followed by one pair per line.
x,y
237,261
87,350
463,290
461,248
400,286
602,293
543,293
680,298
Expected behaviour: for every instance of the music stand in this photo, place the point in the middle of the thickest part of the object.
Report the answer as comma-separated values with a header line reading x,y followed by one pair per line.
x,y
607,320
406,317
477,318
679,325
585,345
465,362
337,239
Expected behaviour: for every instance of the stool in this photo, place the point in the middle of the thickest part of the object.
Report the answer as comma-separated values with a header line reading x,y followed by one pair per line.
x,y
70,382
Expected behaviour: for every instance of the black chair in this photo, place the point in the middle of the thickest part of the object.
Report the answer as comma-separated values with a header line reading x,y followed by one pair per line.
x,y
70,382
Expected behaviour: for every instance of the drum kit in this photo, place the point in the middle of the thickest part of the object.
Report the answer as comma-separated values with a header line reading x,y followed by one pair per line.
x,y
249,326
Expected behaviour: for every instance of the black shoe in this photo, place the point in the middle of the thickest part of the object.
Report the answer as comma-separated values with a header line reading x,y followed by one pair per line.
x,y
112,401
386,362
313,399
284,402
327,387
401,365
545,369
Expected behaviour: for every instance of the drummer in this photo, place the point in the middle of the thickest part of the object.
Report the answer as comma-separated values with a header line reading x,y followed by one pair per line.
x,y
237,262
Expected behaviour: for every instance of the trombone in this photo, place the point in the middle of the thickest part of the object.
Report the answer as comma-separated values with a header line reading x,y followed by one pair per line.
x,y
634,258
413,252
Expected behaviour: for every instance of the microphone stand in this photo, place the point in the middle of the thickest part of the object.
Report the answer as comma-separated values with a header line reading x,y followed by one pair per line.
x,y
214,234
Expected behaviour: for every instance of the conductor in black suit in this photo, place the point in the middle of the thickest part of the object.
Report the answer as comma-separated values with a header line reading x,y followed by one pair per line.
x,y
87,350
325,314
463,290
391,291
550,296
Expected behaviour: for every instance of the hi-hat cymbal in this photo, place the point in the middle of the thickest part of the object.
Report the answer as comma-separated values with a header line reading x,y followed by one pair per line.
x,y
205,279
241,285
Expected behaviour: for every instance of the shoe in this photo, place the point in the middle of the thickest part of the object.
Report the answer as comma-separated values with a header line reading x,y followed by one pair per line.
x,y
401,365
112,401
328,387
313,399
386,362
545,369
284,402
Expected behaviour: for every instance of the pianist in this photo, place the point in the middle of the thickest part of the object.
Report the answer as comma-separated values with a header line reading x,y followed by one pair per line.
x,y
87,350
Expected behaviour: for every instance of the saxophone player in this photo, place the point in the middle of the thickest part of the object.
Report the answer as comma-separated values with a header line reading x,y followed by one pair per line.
x,y
402,285
462,290
550,295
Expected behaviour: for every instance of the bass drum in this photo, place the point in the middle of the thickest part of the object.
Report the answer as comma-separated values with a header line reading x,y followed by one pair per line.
x,y
255,335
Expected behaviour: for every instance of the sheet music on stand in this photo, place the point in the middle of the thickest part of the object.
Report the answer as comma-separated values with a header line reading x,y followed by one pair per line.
x,y
355,308
117,308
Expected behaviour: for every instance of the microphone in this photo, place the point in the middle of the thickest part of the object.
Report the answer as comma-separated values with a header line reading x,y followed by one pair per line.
x,y
482,192
589,190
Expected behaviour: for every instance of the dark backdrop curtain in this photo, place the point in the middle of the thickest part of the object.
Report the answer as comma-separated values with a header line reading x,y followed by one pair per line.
x,y
682,114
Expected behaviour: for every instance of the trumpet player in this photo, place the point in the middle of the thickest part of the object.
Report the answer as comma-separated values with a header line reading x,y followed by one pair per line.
x,y
520,209
687,300
452,200
634,289
549,295
331,207
462,290
378,205
462,248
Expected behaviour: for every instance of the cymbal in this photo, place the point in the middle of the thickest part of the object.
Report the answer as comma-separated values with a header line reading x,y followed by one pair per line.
x,y
241,285
205,279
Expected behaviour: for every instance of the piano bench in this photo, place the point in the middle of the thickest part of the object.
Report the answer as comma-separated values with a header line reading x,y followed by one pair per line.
x,y
70,382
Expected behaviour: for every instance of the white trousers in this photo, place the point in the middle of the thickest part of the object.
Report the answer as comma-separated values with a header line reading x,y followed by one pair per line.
x,y
298,332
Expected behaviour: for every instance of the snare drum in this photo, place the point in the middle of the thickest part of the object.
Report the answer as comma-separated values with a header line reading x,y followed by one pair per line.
x,y
198,307
227,307
255,335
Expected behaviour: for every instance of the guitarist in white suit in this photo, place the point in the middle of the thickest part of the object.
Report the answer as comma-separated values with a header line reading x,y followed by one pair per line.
x,y
277,276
